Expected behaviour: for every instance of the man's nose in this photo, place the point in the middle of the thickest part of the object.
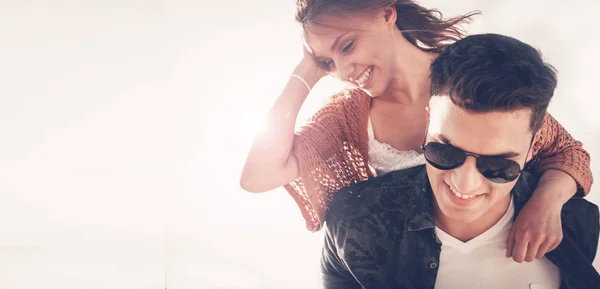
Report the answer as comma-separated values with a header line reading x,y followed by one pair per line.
x,y
467,177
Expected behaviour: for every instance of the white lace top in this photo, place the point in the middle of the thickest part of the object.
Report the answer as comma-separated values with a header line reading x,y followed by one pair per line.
x,y
384,158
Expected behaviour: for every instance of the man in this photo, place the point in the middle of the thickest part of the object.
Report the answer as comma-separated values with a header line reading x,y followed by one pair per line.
x,y
445,224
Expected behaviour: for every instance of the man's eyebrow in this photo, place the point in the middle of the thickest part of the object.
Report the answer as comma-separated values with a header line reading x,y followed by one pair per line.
x,y
443,139
506,155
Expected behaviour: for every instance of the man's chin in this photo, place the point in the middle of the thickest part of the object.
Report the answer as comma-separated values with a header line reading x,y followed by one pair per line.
x,y
459,214
464,218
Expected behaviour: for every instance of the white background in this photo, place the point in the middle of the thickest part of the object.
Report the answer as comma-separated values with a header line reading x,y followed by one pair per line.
x,y
124,126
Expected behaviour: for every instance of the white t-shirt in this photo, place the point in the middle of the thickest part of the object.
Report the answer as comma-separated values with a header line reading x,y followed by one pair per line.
x,y
481,262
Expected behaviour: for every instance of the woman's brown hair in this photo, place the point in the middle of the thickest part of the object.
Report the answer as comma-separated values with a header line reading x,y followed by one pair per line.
x,y
424,28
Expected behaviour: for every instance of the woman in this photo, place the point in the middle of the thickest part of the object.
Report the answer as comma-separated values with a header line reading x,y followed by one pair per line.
x,y
384,49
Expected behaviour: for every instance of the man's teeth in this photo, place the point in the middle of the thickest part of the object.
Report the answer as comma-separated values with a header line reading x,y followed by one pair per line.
x,y
465,197
361,80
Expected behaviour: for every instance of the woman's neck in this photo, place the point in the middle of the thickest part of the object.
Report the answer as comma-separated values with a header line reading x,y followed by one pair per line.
x,y
411,75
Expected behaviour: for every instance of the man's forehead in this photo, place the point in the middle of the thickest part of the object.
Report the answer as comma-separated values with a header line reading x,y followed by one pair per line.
x,y
479,132
442,108
438,110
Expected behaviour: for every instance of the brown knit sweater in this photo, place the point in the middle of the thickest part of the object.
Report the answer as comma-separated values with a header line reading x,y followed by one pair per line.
x,y
332,151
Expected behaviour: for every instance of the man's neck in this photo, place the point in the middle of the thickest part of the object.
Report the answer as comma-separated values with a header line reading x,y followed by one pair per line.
x,y
466,231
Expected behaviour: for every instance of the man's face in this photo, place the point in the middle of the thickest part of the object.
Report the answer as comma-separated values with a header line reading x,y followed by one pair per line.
x,y
463,194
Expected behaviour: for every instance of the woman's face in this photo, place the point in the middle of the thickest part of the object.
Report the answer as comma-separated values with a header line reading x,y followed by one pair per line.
x,y
358,49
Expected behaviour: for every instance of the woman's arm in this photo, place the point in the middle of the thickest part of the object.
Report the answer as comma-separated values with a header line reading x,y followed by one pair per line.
x,y
270,162
565,168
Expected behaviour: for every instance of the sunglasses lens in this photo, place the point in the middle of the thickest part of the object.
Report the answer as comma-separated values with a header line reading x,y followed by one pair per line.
x,y
444,157
498,170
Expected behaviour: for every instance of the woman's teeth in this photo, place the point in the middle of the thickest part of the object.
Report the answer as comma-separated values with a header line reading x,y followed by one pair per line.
x,y
464,197
361,79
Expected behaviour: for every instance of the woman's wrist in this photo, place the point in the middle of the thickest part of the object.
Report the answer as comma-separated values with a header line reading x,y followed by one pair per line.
x,y
310,73
299,78
556,187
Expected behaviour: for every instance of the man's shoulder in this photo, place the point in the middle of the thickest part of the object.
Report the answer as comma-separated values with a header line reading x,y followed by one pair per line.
x,y
366,224
377,201
580,206
581,220
576,212
577,250
581,217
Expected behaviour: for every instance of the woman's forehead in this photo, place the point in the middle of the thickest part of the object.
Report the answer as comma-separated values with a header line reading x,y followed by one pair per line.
x,y
320,37
324,32
334,22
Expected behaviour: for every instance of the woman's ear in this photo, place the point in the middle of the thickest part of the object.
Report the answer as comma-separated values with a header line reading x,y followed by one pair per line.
x,y
390,15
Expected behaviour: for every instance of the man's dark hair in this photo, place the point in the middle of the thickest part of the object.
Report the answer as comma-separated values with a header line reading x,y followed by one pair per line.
x,y
491,72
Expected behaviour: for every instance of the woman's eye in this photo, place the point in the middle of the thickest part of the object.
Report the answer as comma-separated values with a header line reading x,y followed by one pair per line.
x,y
348,46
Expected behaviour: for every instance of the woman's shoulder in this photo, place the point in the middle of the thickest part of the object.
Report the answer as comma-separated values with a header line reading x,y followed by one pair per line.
x,y
345,103
344,117
349,96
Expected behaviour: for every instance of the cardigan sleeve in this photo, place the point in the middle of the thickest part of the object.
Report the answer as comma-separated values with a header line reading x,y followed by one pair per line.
x,y
556,149
332,150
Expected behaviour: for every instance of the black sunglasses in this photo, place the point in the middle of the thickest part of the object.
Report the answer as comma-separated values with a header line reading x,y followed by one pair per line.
x,y
496,169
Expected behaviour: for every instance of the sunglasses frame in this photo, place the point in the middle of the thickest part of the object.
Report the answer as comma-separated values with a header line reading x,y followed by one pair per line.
x,y
477,156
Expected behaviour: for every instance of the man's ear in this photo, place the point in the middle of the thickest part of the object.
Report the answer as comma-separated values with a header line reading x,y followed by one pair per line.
x,y
427,120
536,137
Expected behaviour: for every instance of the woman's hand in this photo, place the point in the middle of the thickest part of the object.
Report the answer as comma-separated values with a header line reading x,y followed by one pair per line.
x,y
308,69
537,230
